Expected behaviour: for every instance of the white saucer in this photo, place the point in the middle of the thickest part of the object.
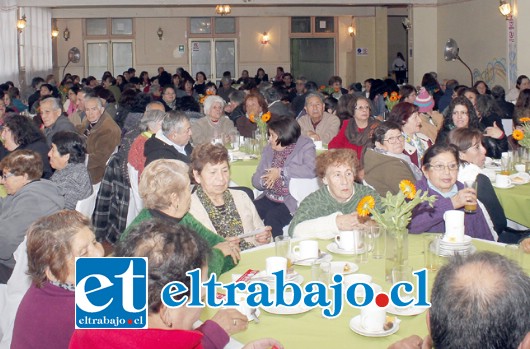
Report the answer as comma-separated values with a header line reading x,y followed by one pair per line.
x,y
326,257
520,178
449,253
408,311
338,268
333,248
355,326
498,187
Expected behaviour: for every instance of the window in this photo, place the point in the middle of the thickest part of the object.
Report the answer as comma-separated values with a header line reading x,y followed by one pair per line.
x,y
213,26
304,26
123,27
300,24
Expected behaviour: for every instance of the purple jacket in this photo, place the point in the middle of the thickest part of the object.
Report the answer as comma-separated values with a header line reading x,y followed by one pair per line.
x,y
299,164
430,219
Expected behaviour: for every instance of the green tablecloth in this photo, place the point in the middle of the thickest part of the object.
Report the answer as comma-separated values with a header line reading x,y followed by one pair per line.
x,y
241,172
311,330
516,203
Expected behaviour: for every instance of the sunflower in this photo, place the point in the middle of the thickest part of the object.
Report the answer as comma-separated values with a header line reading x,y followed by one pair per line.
x,y
210,93
365,205
394,94
518,135
408,188
202,99
524,119
393,98
251,117
266,117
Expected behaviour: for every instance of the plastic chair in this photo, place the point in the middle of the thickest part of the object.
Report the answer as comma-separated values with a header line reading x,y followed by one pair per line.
x,y
135,202
15,289
300,188
86,206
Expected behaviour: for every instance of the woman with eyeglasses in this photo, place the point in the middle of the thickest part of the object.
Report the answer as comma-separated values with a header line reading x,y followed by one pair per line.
x,y
356,133
440,170
169,98
385,165
407,116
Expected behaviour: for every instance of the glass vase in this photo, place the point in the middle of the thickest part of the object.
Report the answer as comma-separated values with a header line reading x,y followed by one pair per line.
x,y
397,250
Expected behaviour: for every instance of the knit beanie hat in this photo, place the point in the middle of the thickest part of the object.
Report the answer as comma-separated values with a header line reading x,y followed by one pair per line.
x,y
424,101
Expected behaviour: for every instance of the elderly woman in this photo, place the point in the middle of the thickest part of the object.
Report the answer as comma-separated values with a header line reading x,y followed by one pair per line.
x,y
171,250
406,115
440,169
333,207
224,211
356,133
29,198
169,97
150,124
254,104
20,133
46,315
215,125
67,157
288,155
165,190
385,166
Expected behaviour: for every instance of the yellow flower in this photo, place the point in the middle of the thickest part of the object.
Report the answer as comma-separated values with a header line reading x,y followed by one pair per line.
x,y
266,117
408,188
518,135
524,119
394,94
210,92
393,98
365,205
202,99
251,117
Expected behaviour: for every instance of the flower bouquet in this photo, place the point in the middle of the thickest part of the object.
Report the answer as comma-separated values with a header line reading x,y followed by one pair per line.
x,y
261,134
394,219
523,136
392,100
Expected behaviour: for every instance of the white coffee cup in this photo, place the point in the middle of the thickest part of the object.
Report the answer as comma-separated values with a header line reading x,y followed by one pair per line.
x,y
346,240
356,279
520,168
373,317
318,144
274,264
502,181
454,225
306,249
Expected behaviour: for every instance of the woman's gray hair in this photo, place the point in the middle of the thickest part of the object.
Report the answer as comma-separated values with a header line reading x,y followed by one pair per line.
x,y
173,122
150,118
210,101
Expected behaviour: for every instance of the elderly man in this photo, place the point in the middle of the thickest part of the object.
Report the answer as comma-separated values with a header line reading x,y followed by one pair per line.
x,y
318,124
53,119
482,301
172,141
103,136
79,115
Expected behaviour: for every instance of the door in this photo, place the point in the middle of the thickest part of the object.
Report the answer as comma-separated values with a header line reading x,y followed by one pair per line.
x,y
314,58
114,56
213,57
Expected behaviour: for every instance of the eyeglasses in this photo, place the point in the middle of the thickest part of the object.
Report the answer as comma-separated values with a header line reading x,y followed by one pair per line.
x,y
393,140
440,167
362,107
7,175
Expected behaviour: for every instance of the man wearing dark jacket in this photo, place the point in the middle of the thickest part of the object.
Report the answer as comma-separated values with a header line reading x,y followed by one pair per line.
x,y
53,119
172,141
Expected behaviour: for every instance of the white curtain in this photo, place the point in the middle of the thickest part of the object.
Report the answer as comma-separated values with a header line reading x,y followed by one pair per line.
x,y
36,42
8,40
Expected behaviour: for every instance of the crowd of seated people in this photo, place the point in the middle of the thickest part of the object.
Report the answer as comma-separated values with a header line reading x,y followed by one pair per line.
x,y
171,129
